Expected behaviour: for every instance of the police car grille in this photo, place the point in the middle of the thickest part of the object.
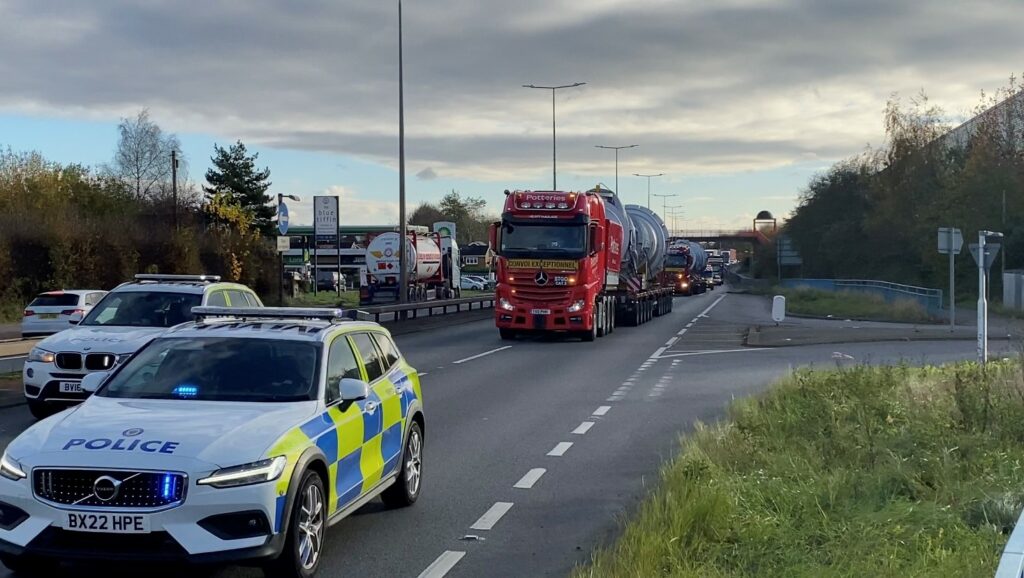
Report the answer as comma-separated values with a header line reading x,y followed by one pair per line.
x,y
137,489
99,361
69,360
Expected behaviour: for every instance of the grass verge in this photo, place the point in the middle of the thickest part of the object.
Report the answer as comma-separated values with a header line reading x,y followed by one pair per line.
x,y
11,312
854,305
859,472
348,299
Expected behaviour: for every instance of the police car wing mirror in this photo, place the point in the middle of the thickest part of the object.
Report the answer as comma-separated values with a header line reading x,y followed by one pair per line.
x,y
92,381
75,318
354,389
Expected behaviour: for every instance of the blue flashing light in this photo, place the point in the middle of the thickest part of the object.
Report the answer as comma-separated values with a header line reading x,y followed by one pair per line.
x,y
186,391
168,487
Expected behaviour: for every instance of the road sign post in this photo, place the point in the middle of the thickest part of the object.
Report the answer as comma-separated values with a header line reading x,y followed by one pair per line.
x,y
282,227
984,254
951,241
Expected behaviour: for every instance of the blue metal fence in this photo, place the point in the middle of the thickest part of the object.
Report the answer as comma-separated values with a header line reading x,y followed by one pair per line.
x,y
930,299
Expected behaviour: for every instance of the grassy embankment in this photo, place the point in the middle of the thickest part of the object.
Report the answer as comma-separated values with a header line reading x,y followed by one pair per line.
x,y
853,305
859,472
348,299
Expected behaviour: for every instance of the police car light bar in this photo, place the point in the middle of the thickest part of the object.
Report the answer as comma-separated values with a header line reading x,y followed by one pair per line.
x,y
323,314
192,278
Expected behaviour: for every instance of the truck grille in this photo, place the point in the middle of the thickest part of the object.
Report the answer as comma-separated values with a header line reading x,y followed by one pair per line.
x,y
95,488
69,360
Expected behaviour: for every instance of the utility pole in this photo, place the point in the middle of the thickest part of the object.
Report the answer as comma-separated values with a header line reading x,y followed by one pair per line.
x,y
403,269
554,141
174,185
616,149
648,177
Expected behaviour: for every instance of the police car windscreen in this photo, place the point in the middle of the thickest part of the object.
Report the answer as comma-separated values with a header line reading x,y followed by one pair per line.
x,y
143,309
220,369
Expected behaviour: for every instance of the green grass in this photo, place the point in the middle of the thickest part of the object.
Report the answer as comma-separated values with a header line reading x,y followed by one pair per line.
x,y
999,310
11,312
853,305
851,473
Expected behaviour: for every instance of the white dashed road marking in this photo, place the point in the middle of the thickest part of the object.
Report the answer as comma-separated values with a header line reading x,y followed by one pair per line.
x,y
602,410
530,479
479,355
560,449
491,517
583,428
444,563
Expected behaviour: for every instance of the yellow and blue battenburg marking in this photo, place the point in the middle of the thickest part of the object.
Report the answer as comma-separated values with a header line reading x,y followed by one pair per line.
x,y
362,447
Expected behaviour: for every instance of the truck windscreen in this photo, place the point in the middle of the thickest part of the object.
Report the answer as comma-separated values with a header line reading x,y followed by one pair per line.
x,y
542,239
676,261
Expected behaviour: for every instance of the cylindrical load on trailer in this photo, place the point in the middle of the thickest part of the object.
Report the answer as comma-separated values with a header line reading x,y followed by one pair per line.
x,y
616,212
651,239
382,257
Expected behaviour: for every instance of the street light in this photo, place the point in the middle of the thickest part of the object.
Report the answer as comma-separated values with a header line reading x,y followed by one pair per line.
x,y
664,207
648,177
554,145
403,271
675,211
616,149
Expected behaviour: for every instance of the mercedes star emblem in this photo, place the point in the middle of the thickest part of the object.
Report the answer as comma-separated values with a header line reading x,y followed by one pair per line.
x,y
541,278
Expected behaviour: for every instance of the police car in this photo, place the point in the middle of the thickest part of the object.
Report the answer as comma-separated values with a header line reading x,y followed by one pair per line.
x,y
240,436
123,321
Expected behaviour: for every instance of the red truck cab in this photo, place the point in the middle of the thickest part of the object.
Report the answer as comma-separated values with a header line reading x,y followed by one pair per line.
x,y
557,253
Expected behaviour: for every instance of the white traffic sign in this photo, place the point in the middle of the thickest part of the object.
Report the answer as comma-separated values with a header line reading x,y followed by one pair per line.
x,y
950,235
282,218
283,244
991,250
325,216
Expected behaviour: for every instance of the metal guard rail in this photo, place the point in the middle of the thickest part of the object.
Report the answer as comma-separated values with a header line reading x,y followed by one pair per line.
x,y
896,287
1011,565
430,306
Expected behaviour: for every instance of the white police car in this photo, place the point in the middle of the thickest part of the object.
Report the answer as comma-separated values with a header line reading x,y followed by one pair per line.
x,y
122,322
228,439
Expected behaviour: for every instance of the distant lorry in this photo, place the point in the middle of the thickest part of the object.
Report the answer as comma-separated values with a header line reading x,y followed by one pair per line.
x,y
431,271
686,263
716,265
579,263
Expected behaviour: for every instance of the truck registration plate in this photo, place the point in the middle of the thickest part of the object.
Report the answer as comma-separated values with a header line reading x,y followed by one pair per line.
x,y
540,311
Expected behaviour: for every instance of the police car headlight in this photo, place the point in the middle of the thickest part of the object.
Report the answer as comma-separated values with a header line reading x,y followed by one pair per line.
x,y
506,304
247,474
577,306
41,355
11,469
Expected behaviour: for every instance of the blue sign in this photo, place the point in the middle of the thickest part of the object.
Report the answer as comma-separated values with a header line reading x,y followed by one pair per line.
x,y
282,218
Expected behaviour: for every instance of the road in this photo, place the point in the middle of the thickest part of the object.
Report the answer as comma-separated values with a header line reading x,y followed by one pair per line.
x,y
581,427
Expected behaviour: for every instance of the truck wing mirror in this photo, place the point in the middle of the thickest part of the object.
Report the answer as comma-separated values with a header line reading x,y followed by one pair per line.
x,y
595,240
492,235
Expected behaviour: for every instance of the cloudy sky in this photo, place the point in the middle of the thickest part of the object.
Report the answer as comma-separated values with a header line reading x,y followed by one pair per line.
x,y
738,102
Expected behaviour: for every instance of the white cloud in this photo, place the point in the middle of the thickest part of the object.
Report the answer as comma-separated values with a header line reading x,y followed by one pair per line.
x,y
354,209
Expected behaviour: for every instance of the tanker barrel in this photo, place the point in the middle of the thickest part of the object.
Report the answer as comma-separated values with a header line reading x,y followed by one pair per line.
x,y
652,238
700,257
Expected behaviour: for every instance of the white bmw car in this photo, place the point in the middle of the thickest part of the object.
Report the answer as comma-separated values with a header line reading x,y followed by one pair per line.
x,y
240,436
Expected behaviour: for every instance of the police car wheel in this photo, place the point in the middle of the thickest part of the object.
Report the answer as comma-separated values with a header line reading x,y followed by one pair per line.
x,y
29,566
406,489
304,546
41,409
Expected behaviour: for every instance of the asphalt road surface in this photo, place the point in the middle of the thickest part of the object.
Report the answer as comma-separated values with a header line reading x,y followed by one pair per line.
x,y
537,449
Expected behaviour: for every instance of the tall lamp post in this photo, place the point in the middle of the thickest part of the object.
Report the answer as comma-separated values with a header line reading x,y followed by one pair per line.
x,y
648,177
674,212
280,256
403,271
664,203
616,149
554,143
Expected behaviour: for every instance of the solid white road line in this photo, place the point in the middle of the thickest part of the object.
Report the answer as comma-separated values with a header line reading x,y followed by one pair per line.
x,y
658,352
583,428
479,355
530,479
560,449
693,353
602,410
491,517
710,307
444,563
671,342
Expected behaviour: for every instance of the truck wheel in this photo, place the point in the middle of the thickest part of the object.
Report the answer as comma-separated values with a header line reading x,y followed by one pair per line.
x,y
506,334
592,334
600,320
610,318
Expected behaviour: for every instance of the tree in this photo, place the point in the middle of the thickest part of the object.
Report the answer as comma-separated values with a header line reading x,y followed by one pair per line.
x,y
235,179
468,215
426,215
142,160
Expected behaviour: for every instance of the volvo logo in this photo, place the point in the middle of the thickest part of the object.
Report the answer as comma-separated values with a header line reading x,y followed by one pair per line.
x,y
541,278
106,488
132,432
